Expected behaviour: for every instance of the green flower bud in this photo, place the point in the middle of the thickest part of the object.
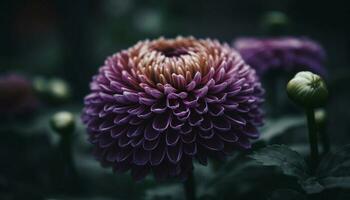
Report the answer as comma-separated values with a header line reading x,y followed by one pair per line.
x,y
63,122
275,23
40,85
320,117
308,90
59,90
53,91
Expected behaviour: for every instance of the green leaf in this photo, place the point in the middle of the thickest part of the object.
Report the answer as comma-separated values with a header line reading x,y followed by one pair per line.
x,y
311,185
333,172
290,162
276,127
287,194
336,164
173,191
336,182
316,185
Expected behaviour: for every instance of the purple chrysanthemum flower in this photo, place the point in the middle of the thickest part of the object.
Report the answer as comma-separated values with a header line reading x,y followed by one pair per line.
x,y
163,103
286,53
16,96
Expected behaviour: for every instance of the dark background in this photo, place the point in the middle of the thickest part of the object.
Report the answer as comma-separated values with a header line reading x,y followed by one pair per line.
x,y
66,38
70,39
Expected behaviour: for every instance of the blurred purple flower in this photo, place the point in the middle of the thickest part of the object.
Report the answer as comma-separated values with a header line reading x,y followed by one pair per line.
x,y
163,103
16,96
285,53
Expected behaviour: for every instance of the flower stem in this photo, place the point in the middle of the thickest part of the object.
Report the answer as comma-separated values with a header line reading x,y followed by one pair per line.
x,y
189,187
310,114
66,150
69,182
324,139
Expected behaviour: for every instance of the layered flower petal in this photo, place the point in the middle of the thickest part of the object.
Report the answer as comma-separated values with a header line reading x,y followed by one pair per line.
x,y
159,105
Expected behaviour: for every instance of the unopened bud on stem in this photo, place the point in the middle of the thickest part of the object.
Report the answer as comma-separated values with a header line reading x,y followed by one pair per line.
x,y
63,122
308,90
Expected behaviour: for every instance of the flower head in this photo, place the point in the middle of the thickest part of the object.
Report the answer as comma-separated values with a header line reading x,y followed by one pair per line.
x,y
286,53
161,104
16,96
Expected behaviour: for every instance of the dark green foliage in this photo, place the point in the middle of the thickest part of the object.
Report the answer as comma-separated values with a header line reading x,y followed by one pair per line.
x,y
287,194
333,171
289,161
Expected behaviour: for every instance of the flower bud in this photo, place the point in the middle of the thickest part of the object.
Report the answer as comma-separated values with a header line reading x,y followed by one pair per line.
x,y
307,89
59,90
53,91
320,117
39,85
275,23
63,122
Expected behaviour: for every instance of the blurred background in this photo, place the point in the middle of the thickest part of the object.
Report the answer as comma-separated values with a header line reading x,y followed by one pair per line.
x,y
57,45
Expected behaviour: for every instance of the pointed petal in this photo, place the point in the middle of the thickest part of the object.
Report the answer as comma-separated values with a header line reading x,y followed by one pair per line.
x,y
118,131
221,124
190,149
174,153
214,143
172,138
162,121
150,145
228,136
140,156
150,133
157,155
159,107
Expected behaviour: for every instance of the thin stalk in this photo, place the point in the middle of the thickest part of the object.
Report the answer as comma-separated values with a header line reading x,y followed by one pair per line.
x,y
66,149
69,177
189,187
310,114
324,139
